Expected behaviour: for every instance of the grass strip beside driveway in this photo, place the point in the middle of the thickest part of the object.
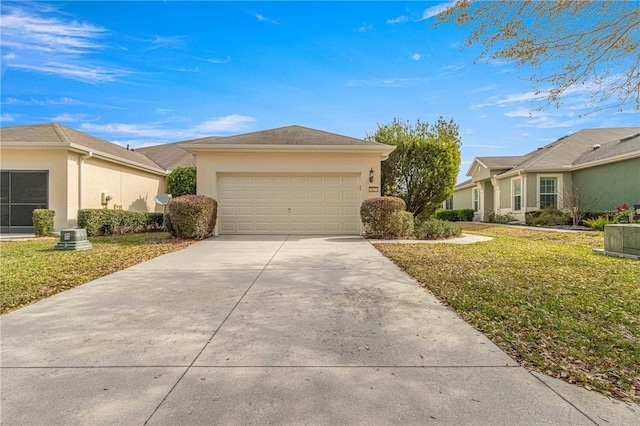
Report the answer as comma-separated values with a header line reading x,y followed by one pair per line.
x,y
32,270
543,297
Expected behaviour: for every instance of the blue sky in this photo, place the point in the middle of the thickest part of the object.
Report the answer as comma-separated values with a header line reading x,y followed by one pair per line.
x,y
144,73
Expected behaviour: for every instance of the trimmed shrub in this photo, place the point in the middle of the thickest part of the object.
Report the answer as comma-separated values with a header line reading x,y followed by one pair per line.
x,y
551,217
117,222
155,221
407,223
531,216
466,215
448,215
167,224
463,215
43,222
435,229
381,217
193,216
500,218
182,181
595,214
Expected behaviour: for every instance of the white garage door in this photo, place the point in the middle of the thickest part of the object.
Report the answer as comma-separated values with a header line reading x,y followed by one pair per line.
x,y
266,203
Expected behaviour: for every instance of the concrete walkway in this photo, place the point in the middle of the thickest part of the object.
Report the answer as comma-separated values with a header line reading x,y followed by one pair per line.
x,y
269,330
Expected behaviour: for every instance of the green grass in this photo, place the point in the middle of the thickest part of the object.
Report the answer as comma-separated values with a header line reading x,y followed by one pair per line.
x,y
543,297
32,270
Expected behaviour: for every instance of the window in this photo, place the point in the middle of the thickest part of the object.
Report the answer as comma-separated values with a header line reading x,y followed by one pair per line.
x,y
516,189
548,192
476,200
448,205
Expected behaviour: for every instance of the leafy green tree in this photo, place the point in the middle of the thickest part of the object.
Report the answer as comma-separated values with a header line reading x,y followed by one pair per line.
x,y
423,168
567,46
182,181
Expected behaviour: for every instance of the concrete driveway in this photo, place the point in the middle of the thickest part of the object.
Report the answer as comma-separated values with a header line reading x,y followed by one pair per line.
x,y
264,330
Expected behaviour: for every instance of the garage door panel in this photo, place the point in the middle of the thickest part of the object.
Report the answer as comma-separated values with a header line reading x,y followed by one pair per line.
x,y
245,211
289,203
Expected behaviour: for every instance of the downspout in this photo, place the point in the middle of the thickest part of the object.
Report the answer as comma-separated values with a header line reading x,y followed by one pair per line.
x,y
81,178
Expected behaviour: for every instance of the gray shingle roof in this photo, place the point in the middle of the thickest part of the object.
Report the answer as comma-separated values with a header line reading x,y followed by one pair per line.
x,y
611,149
169,155
566,151
506,162
291,135
57,134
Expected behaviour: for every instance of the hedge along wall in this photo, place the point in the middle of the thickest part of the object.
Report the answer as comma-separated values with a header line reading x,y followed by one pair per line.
x,y
107,222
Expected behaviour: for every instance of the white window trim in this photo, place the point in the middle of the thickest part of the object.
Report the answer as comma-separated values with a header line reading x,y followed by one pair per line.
x,y
522,202
559,189
474,191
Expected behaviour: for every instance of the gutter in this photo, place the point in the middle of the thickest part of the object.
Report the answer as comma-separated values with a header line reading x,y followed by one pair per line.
x,y
81,177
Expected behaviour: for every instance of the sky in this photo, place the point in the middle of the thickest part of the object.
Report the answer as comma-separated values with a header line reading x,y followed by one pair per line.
x,y
145,73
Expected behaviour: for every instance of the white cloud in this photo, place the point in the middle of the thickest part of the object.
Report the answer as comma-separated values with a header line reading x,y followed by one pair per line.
x,y
158,133
452,67
74,118
7,118
44,43
398,20
436,10
9,56
388,82
165,42
74,71
216,60
263,18
364,28
163,111
416,56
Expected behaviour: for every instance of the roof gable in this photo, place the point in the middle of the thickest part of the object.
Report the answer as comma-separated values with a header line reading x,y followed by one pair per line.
x,y
290,135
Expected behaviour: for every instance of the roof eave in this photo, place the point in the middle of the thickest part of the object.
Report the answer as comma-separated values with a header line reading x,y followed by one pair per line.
x,y
116,159
382,149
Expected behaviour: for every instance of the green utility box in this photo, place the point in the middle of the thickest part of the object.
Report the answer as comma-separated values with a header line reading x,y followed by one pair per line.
x,y
73,239
622,240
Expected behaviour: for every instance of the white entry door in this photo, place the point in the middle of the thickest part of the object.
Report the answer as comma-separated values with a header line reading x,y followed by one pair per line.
x,y
288,203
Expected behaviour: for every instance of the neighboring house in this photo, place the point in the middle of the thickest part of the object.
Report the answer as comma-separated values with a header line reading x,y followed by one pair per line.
x,y
169,155
603,164
290,180
56,167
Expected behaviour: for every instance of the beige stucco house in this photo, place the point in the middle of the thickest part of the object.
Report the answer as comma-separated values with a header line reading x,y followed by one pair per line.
x,y
290,180
56,167
287,180
602,164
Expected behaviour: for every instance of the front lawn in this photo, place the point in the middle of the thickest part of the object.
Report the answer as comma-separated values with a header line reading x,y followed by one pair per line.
x,y
543,297
32,270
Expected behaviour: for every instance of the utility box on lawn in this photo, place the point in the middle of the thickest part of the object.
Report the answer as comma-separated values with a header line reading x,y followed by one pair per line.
x,y
73,239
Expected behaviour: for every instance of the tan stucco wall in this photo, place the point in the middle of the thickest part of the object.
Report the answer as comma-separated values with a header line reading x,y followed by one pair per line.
x,y
131,188
209,164
52,160
134,189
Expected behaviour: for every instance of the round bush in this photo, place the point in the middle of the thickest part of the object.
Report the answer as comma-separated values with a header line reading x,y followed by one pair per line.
x,y
193,216
381,217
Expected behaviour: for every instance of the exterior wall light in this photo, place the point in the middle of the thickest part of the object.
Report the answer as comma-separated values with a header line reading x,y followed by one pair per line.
x,y
371,175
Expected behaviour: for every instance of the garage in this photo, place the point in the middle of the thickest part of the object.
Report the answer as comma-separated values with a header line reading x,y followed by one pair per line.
x,y
294,203
289,180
